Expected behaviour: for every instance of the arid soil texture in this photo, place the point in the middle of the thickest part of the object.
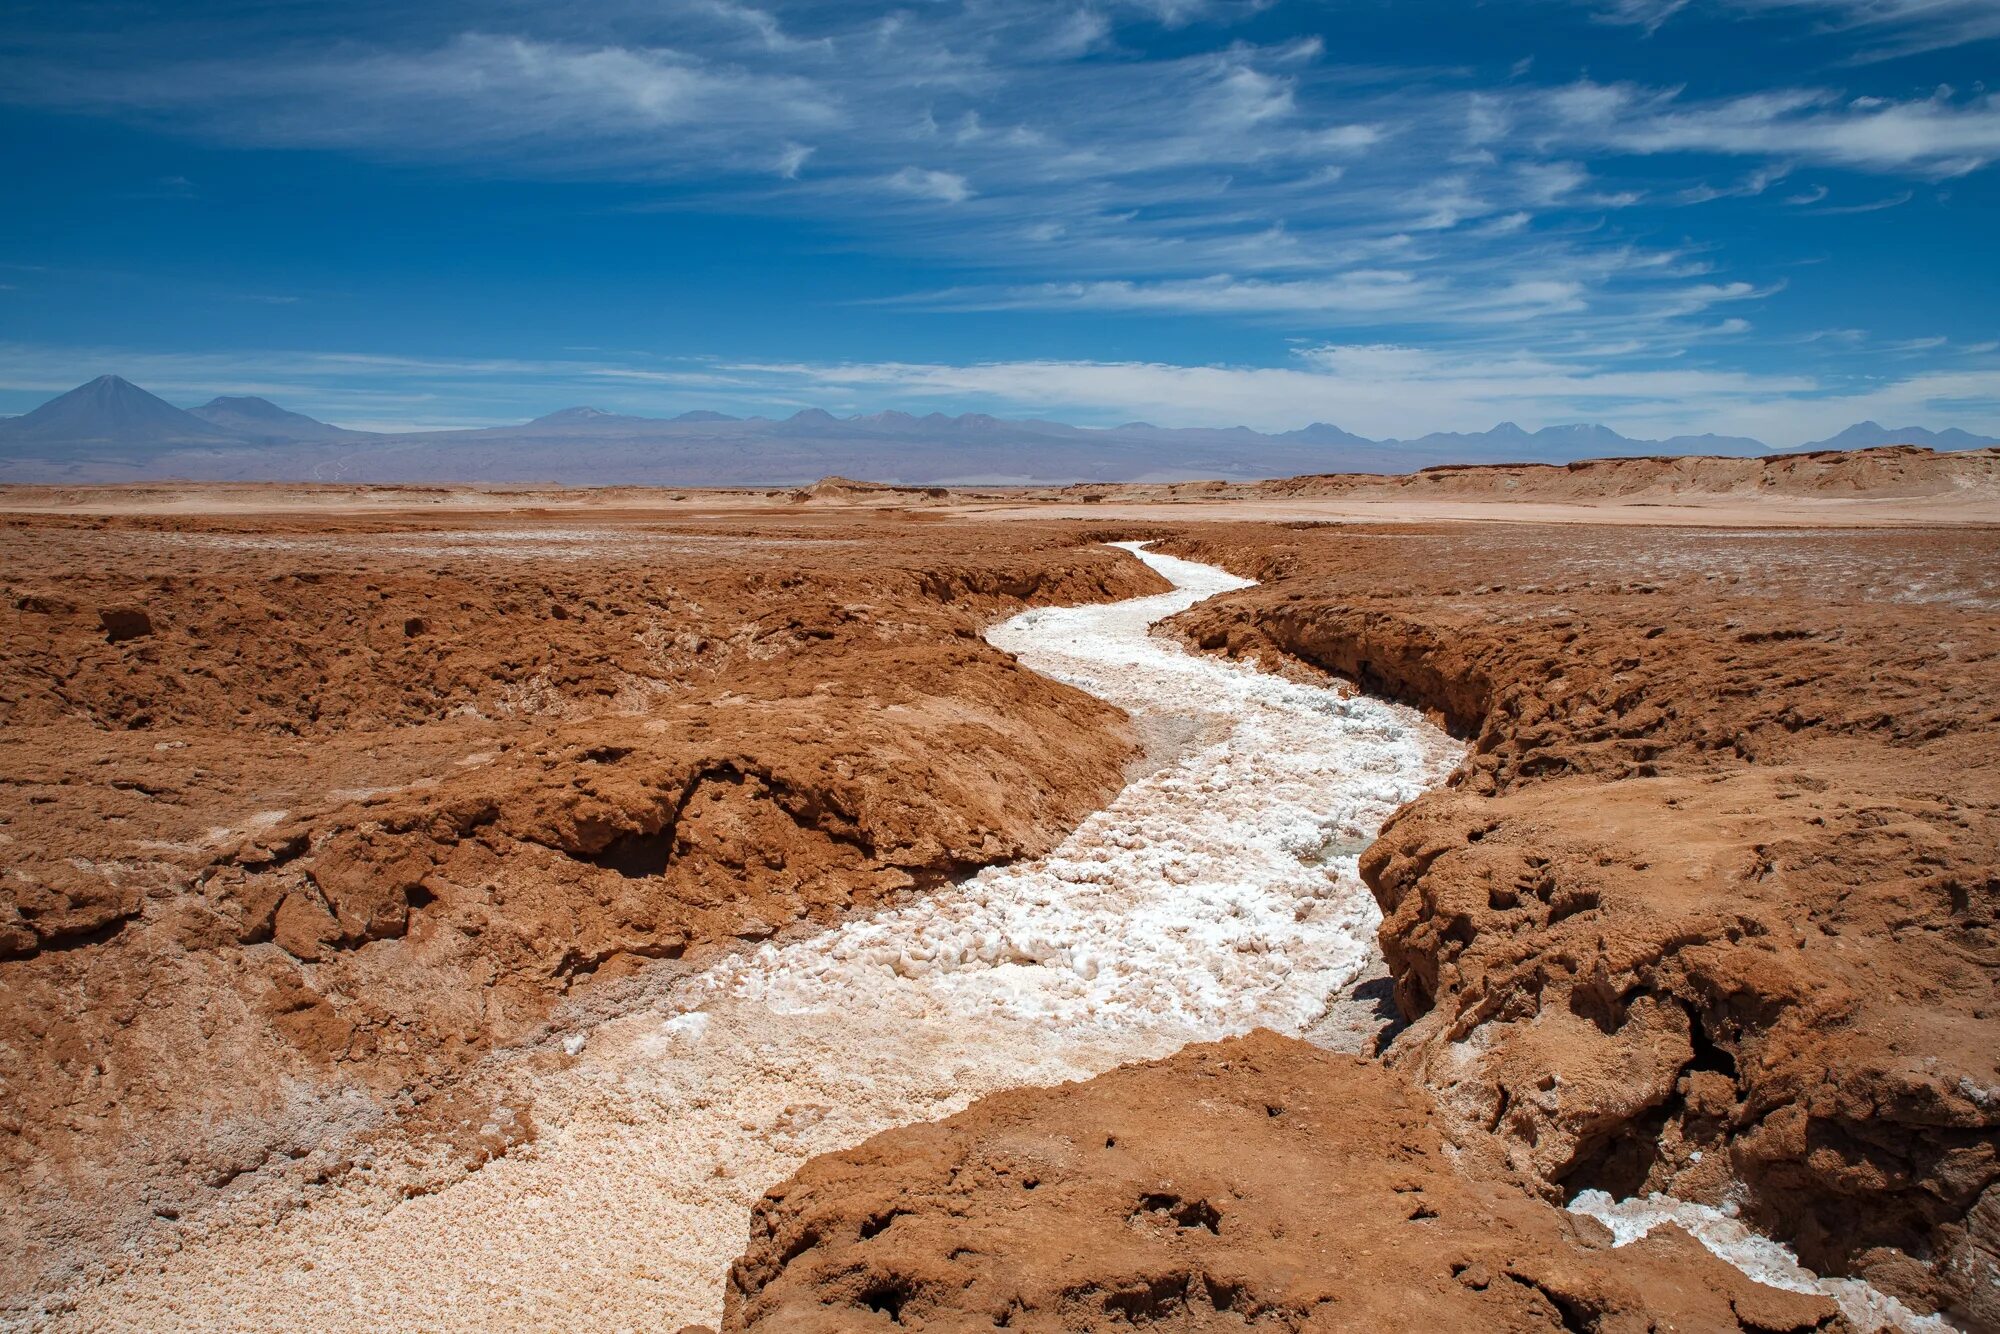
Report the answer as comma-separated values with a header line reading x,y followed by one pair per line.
x,y
1258,1183
1713,900
1709,909
302,819
309,816
1904,485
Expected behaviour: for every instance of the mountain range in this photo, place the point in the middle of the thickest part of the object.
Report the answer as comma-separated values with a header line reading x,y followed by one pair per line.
x,y
112,430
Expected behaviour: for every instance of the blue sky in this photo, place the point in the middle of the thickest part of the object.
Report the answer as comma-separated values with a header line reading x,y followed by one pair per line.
x,y
1769,217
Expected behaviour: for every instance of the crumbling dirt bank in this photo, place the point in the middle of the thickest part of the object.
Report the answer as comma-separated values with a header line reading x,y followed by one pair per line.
x,y
1708,910
1258,1183
1713,899
306,817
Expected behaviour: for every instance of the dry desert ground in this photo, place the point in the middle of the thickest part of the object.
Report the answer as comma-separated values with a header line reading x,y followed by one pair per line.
x,y
1490,899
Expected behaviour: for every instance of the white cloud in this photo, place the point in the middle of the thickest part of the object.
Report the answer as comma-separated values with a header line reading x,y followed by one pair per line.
x,y
1377,389
1044,144
1392,391
1940,138
947,186
758,21
1358,291
1648,14
1076,33
1896,200
1547,183
1934,137
560,106
1178,13
791,159
1888,28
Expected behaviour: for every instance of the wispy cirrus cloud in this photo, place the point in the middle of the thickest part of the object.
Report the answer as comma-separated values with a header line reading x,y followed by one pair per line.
x,y
543,104
1240,179
1371,388
1893,27
1052,158
1933,137
944,186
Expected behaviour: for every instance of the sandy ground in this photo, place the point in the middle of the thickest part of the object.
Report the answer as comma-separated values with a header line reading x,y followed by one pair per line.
x,y
1730,512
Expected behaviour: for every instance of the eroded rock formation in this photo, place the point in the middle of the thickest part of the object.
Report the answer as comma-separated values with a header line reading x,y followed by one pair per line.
x,y
1713,900
307,817
1257,1183
1833,474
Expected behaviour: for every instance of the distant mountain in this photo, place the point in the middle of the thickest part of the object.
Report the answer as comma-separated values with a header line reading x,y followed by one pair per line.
x,y
108,412
1316,433
109,430
113,420
1868,435
1508,443
262,420
595,421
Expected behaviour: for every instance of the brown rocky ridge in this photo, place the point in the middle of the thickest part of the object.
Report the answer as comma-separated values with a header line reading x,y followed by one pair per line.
x,y
304,818
1711,905
847,491
1709,910
312,813
1256,1183
1891,471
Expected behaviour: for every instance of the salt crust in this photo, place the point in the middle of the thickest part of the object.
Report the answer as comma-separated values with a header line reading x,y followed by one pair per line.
x,y
1762,1259
1214,894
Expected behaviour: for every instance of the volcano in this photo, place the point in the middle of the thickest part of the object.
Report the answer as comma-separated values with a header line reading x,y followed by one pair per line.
x,y
110,411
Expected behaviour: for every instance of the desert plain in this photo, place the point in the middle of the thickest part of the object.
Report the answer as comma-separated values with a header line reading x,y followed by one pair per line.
x,y
1499,898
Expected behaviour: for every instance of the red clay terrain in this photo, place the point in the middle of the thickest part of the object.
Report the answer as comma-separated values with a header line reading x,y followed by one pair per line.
x,y
311,813
1713,900
1256,1183
1709,909
1891,472
305,818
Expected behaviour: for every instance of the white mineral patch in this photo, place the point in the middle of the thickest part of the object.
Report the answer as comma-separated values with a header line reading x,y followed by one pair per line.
x,y
1758,1257
1214,894
1200,903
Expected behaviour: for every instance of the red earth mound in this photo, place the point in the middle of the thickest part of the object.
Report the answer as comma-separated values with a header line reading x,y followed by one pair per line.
x,y
1713,900
1256,1183
308,816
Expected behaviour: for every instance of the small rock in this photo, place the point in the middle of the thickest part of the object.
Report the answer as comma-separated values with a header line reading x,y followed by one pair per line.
x,y
122,623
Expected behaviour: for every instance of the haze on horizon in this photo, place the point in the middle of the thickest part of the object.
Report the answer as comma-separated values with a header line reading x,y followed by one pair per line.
x,y
1765,218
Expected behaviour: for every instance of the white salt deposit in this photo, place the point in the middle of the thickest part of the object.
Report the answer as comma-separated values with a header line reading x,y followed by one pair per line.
x,y
1760,1258
1216,893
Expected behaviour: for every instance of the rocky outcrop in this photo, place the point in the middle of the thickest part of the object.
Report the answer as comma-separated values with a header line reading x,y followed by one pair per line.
x,y
1893,471
1713,900
847,491
369,800
1258,1182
